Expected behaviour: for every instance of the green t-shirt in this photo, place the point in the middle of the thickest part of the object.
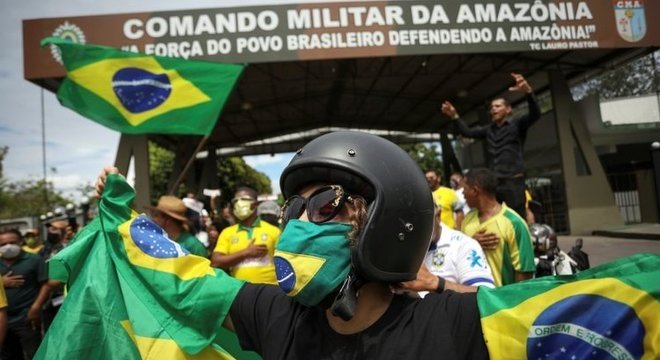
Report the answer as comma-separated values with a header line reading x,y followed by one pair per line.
x,y
34,272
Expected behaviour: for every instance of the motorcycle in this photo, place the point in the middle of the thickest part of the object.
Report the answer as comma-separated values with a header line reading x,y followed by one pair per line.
x,y
550,259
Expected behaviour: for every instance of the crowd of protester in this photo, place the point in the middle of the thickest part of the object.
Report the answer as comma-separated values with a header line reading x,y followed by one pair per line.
x,y
478,240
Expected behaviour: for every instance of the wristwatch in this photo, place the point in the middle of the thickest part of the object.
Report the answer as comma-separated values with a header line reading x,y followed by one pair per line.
x,y
441,285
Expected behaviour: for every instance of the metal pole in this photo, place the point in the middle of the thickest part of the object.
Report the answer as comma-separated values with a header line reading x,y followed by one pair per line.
x,y
188,164
43,148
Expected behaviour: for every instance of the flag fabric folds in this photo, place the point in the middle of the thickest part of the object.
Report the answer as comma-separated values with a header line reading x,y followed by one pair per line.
x,y
133,293
137,94
607,312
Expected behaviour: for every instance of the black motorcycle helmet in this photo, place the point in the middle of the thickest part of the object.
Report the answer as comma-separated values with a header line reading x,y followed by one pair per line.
x,y
399,222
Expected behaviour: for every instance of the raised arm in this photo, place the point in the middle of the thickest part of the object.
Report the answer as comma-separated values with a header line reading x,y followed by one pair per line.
x,y
100,181
534,112
476,132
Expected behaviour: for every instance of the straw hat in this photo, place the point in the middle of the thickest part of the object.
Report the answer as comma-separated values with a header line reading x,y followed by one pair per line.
x,y
172,206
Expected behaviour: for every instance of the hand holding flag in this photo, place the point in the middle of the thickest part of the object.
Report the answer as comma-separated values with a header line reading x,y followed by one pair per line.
x,y
133,293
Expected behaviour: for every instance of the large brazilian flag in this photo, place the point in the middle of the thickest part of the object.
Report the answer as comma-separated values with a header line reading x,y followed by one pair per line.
x,y
133,293
607,312
137,94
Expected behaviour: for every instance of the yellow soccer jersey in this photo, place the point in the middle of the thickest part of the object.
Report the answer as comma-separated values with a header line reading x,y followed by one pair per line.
x,y
514,253
449,202
237,237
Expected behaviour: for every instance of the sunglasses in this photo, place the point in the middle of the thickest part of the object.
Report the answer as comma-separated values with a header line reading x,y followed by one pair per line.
x,y
322,205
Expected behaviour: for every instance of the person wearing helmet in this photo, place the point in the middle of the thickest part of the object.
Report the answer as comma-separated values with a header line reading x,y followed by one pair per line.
x,y
548,258
358,218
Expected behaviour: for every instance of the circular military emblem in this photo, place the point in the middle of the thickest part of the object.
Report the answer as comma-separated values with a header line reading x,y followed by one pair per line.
x,y
67,31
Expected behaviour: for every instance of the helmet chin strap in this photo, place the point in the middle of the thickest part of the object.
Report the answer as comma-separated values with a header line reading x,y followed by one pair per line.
x,y
346,299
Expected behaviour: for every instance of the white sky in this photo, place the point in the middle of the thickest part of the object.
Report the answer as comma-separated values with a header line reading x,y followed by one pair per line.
x,y
78,148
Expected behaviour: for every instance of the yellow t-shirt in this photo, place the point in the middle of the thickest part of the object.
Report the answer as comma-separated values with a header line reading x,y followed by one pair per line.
x,y
528,198
3,296
237,238
32,250
448,202
514,253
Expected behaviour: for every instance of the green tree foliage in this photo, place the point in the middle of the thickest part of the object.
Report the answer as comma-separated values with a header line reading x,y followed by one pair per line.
x,y
27,198
161,164
427,156
232,173
638,77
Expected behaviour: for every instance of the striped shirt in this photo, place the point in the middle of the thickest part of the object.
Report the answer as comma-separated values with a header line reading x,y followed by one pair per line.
x,y
514,251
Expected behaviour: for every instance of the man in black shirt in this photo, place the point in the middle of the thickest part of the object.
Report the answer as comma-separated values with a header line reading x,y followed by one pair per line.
x,y
505,139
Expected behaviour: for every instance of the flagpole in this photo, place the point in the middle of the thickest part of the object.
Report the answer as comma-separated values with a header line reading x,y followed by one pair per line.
x,y
188,164
43,147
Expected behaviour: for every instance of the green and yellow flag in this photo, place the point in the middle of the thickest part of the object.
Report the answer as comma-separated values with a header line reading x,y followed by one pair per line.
x,y
137,94
607,312
133,293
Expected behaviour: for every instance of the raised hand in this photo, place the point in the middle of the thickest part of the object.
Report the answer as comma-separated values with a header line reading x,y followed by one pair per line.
x,y
521,84
449,110
100,181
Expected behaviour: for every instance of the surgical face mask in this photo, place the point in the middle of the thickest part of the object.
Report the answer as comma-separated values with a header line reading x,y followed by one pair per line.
x,y
243,209
10,251
312,260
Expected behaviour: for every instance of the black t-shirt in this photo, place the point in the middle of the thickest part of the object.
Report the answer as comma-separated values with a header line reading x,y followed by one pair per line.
x,y
505,143
443,326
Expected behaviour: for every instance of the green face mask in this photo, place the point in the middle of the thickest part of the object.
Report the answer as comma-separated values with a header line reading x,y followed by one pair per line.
x,y
30,241
312,260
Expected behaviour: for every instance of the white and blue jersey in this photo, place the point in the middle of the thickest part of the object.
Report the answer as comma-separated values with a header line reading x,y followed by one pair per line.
x,y
459,258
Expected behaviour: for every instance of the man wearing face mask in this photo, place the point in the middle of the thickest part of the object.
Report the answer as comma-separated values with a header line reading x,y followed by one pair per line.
x,y
25,300
56,238
32,242
245,249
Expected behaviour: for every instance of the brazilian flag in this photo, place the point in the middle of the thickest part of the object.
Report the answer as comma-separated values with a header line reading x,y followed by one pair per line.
x,y
607,312
138,94
135,294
